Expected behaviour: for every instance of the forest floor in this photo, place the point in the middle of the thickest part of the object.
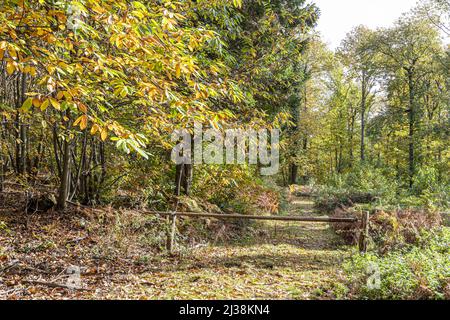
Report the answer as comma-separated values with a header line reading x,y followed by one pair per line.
x,y
289,261
285,261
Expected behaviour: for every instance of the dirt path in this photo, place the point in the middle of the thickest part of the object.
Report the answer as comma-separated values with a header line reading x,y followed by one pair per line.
x,y
288,261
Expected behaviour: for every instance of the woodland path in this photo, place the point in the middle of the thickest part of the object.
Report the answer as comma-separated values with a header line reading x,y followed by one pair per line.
x,y
296,260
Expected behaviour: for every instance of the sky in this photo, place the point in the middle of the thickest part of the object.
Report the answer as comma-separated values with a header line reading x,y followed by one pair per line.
x,y
338,17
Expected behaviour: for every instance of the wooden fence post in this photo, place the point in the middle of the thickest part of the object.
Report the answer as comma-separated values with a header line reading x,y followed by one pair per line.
x,y
172,232
364,235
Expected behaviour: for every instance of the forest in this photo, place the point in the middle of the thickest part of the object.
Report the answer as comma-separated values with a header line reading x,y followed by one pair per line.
x,y
92,91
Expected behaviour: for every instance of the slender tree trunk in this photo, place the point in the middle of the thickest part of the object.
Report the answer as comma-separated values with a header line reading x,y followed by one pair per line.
x,y
183,179
65,176
2,169
339,169
23,148
102,176
187,181
86,175
411,127
64,187
284,175
78,178
363,120
179,172
305,177
55,150
19,102
22,155
294,174
2,158
350,138
37,160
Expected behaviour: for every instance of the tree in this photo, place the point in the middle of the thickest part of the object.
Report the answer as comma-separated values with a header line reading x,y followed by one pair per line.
x,y
84,69
437,12
313,64
408,49
360,58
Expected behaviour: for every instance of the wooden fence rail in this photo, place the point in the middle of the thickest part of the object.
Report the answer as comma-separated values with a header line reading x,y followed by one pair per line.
x,y
253,217
363,238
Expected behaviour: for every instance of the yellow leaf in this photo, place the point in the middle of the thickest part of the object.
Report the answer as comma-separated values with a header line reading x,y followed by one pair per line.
x,y
45,104
178,70
27,105
51,69
33,71
77,121
83,123
12,53
67,95
10,68
55,104
104,134
94,129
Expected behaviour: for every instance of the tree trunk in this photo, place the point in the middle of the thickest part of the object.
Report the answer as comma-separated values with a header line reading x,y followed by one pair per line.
x,y
21,136
350,138
363,120
56,150
65,177
305,177
23,148
183,179
78,177
178,178
411,127
294,173
23,128
187,181
2,170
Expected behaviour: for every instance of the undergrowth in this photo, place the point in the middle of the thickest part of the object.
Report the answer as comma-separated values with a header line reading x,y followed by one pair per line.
x,y
420,271
379,188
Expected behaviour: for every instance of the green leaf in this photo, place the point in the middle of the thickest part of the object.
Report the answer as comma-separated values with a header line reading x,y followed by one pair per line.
x,y
27,105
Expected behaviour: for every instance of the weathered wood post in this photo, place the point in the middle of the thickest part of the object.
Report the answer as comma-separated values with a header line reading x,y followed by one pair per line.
x,y
364,234
172,233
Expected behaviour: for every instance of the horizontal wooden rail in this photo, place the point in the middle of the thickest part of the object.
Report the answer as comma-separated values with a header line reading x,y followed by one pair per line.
x,y
252,217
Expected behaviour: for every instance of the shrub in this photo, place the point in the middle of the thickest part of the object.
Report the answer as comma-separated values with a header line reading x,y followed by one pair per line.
x,y
415,272
389,229
364,184
348,231
398,228
430,190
